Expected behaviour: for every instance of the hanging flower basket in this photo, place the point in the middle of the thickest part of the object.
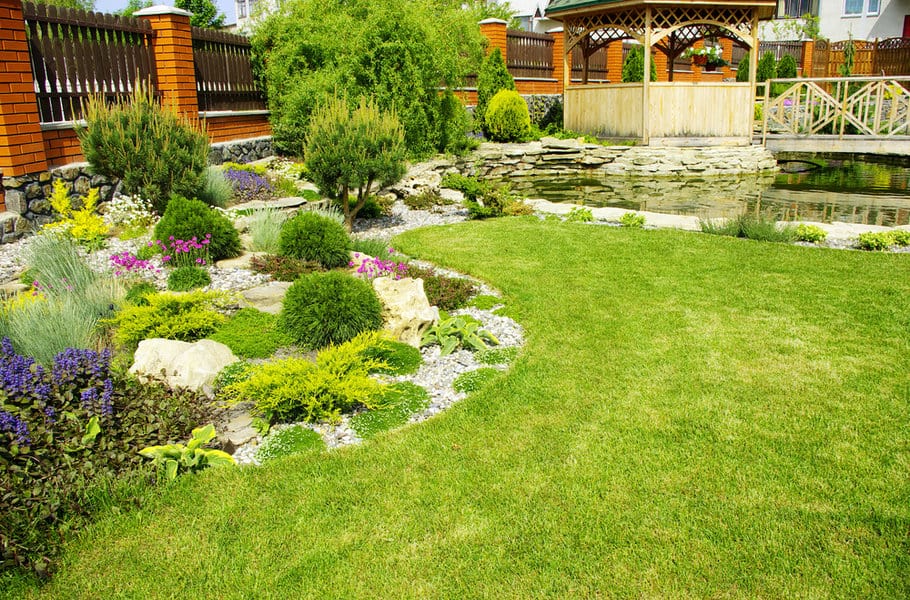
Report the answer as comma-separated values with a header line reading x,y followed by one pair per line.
x,y
700,59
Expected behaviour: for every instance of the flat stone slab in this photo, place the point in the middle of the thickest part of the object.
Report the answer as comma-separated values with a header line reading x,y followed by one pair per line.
x,y
239,262
267,298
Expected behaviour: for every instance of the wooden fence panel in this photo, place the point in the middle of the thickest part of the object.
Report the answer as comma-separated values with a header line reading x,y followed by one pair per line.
x,y
892,57
75,54
224,73
781,49
529,54
597,65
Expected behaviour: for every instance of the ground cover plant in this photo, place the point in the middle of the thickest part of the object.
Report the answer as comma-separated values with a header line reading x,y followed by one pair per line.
x,y
401,400
737,429
251,333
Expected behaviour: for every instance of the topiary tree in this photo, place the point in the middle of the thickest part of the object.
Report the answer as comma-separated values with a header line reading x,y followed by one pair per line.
x,y
313,237
494,77
633,67
786,67
151,149
185,219
767,67
507,117
351,150
329,308
742,69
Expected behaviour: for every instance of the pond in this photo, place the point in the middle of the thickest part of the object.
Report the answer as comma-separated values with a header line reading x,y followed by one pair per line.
x,y
849,191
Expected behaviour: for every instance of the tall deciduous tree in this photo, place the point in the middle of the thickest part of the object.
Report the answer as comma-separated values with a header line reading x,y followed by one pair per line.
x,y
205,14
80,4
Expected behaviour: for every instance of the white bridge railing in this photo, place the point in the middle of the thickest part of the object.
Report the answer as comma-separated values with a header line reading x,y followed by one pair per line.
x,y
837,108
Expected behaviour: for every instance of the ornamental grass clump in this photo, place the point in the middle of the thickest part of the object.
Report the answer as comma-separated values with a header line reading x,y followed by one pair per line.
x,y
329,308
265,229
309,236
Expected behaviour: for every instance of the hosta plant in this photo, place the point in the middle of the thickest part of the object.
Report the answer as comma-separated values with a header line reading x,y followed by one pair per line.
x,y
192,457
461,331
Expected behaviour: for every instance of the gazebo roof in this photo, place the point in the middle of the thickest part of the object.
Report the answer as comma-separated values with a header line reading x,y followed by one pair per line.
x,y
556,7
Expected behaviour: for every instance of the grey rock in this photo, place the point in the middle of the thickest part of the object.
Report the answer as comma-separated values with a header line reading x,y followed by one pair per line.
x,y
267,298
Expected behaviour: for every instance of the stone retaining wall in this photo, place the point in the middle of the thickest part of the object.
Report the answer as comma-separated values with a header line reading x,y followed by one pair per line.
x,y
28,195
539,104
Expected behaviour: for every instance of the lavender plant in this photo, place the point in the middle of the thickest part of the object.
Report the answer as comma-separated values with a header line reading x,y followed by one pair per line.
x,y
248,186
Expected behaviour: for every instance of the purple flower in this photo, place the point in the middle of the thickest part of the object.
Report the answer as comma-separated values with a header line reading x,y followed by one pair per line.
x,y
10,423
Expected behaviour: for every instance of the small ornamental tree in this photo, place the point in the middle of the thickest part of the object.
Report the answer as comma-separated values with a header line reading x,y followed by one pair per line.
x,y
767,67
786,67
742,69
492,79
633,67
351,150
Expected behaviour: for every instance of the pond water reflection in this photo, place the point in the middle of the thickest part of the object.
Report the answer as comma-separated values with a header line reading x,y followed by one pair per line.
x,y
845,191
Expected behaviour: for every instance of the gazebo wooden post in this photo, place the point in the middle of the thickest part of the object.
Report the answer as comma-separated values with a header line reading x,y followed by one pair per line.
x,y
646,83
753,62
566,64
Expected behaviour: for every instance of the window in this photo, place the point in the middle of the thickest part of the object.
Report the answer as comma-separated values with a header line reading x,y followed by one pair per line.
x,y
241,9
853,7
873,7
796,8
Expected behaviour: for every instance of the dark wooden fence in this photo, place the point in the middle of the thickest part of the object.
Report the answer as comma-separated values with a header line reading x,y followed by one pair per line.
x,y
75,54
597,65
782,49
529,54
224,74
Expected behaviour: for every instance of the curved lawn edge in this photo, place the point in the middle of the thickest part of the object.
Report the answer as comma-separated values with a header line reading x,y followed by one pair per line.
x,y
691,415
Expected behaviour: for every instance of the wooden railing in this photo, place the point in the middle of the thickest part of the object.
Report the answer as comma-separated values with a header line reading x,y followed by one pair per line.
x,y
224,75
75,54
872,107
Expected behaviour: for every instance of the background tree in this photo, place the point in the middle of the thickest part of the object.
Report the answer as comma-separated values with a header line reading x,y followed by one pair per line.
x,y
633,67
494,77
767,67
134,5
348,151
80,4
399,52
742,69
205,14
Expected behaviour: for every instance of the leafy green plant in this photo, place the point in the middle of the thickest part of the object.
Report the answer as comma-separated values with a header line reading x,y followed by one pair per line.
x,y
883,240
138,292
496,202
289,441
633,67
295,389
633,220
496,356
312,237
283,268
471,187
153,150
173,459
348,151
507,118
185,219
400,401
186,316
396,357
251,333
493,78
188,277
233,373
448,293
461,331
329,308
742,69
810,233
375,247
471,381
579,215
427,199
216,190
265,228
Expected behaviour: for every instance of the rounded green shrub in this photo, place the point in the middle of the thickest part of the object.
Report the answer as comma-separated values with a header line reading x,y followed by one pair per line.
x,y
633,67
329,308
310,236
786,67
185,219
507,118
184,279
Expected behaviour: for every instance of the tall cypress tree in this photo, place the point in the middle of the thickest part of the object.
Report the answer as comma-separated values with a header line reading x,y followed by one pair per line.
x,y
493,77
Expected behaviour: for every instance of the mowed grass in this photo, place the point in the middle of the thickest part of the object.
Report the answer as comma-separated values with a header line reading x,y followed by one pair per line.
x,y
692,416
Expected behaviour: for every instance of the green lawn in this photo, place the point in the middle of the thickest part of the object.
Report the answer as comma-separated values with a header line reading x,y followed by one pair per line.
x,y
692,416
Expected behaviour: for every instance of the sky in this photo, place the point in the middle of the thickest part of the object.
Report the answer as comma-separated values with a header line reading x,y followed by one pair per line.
x,y
109,6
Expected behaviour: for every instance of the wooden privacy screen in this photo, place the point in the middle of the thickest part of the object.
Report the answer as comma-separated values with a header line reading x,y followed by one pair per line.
x,y
224,75
877,58
75,54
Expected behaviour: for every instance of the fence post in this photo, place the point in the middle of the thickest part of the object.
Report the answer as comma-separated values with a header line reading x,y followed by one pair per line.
x,y
559,50
495,32
172,48
21,144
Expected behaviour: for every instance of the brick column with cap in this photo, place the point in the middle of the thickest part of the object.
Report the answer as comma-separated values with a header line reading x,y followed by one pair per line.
x,y
559,50
172,47
495,32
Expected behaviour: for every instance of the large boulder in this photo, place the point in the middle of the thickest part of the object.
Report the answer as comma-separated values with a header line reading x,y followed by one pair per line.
x,y
406,311
182,364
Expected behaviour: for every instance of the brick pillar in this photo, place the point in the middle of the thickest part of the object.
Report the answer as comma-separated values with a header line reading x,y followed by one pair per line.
x,y
726,45
660,65
806,62
495,32
614,61
696,70
173,51
559,50
21,143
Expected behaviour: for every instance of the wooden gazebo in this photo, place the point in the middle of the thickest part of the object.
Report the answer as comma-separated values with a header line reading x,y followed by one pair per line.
x,y
660,113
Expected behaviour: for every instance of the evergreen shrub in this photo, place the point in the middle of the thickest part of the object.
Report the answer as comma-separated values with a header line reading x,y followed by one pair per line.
x,y
633,67
312,237
188,277
493,78
185,219
507,118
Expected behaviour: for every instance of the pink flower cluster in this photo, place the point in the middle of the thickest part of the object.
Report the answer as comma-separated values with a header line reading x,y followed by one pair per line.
x,y
126,262
184,252
371,268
